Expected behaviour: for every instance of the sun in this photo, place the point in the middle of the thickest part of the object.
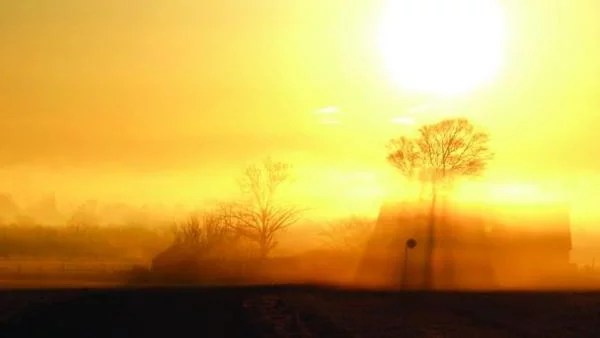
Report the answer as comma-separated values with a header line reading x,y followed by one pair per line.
x,y
442,47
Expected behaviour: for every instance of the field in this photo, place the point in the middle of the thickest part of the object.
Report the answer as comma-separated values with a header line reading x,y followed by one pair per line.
x,y
40,273
295,311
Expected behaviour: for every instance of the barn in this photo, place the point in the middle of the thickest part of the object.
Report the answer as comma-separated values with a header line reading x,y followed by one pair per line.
x,y
475,245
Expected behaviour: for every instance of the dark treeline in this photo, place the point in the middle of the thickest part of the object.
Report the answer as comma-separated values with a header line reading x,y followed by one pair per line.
x,y
132,243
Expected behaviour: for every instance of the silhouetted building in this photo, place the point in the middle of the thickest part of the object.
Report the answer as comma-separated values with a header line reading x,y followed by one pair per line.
x,y
531,243
383,261
475,246
9,210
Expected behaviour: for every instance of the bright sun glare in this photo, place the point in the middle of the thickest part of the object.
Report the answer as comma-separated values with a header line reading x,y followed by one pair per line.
x,y
442,47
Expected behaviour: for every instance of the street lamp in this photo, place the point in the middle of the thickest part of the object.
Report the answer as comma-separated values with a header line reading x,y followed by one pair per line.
x,y
411,243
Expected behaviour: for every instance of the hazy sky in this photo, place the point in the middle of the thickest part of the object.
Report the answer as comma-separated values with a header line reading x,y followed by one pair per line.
x,y
139,89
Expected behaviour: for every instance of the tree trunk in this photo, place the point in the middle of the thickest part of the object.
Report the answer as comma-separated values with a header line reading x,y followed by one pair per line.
x,y
446,231
263,250
429,248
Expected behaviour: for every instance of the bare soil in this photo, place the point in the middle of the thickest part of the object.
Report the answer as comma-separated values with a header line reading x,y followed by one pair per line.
x,y
294,311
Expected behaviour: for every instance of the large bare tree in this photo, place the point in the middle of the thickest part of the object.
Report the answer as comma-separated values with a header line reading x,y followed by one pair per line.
x,y
262,214
440,153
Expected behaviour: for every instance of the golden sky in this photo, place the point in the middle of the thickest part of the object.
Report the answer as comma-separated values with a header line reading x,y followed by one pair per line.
x,y
150,93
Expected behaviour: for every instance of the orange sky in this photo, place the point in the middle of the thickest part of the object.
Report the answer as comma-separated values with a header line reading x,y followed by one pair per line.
x,y
154,94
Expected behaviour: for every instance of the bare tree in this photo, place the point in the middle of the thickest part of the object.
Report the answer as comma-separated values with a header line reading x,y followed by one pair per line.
x,y
203,232
202,236
262,215
441,153
349,234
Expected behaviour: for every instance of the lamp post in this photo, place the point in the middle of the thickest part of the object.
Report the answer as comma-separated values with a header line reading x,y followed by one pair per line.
x,y
411,243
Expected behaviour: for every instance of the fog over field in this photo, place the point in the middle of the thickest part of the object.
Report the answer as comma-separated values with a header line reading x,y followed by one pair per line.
x,y
122,123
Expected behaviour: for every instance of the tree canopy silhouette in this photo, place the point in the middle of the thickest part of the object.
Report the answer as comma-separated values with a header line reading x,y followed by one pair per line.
x,y
440,153
444,150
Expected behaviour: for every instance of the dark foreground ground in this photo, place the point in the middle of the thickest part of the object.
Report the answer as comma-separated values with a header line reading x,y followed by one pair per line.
x,y
294,312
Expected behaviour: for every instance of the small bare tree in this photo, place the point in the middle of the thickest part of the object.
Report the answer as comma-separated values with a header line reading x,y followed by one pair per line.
x,y
441,153
349,234
262,215
203,232
201,236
